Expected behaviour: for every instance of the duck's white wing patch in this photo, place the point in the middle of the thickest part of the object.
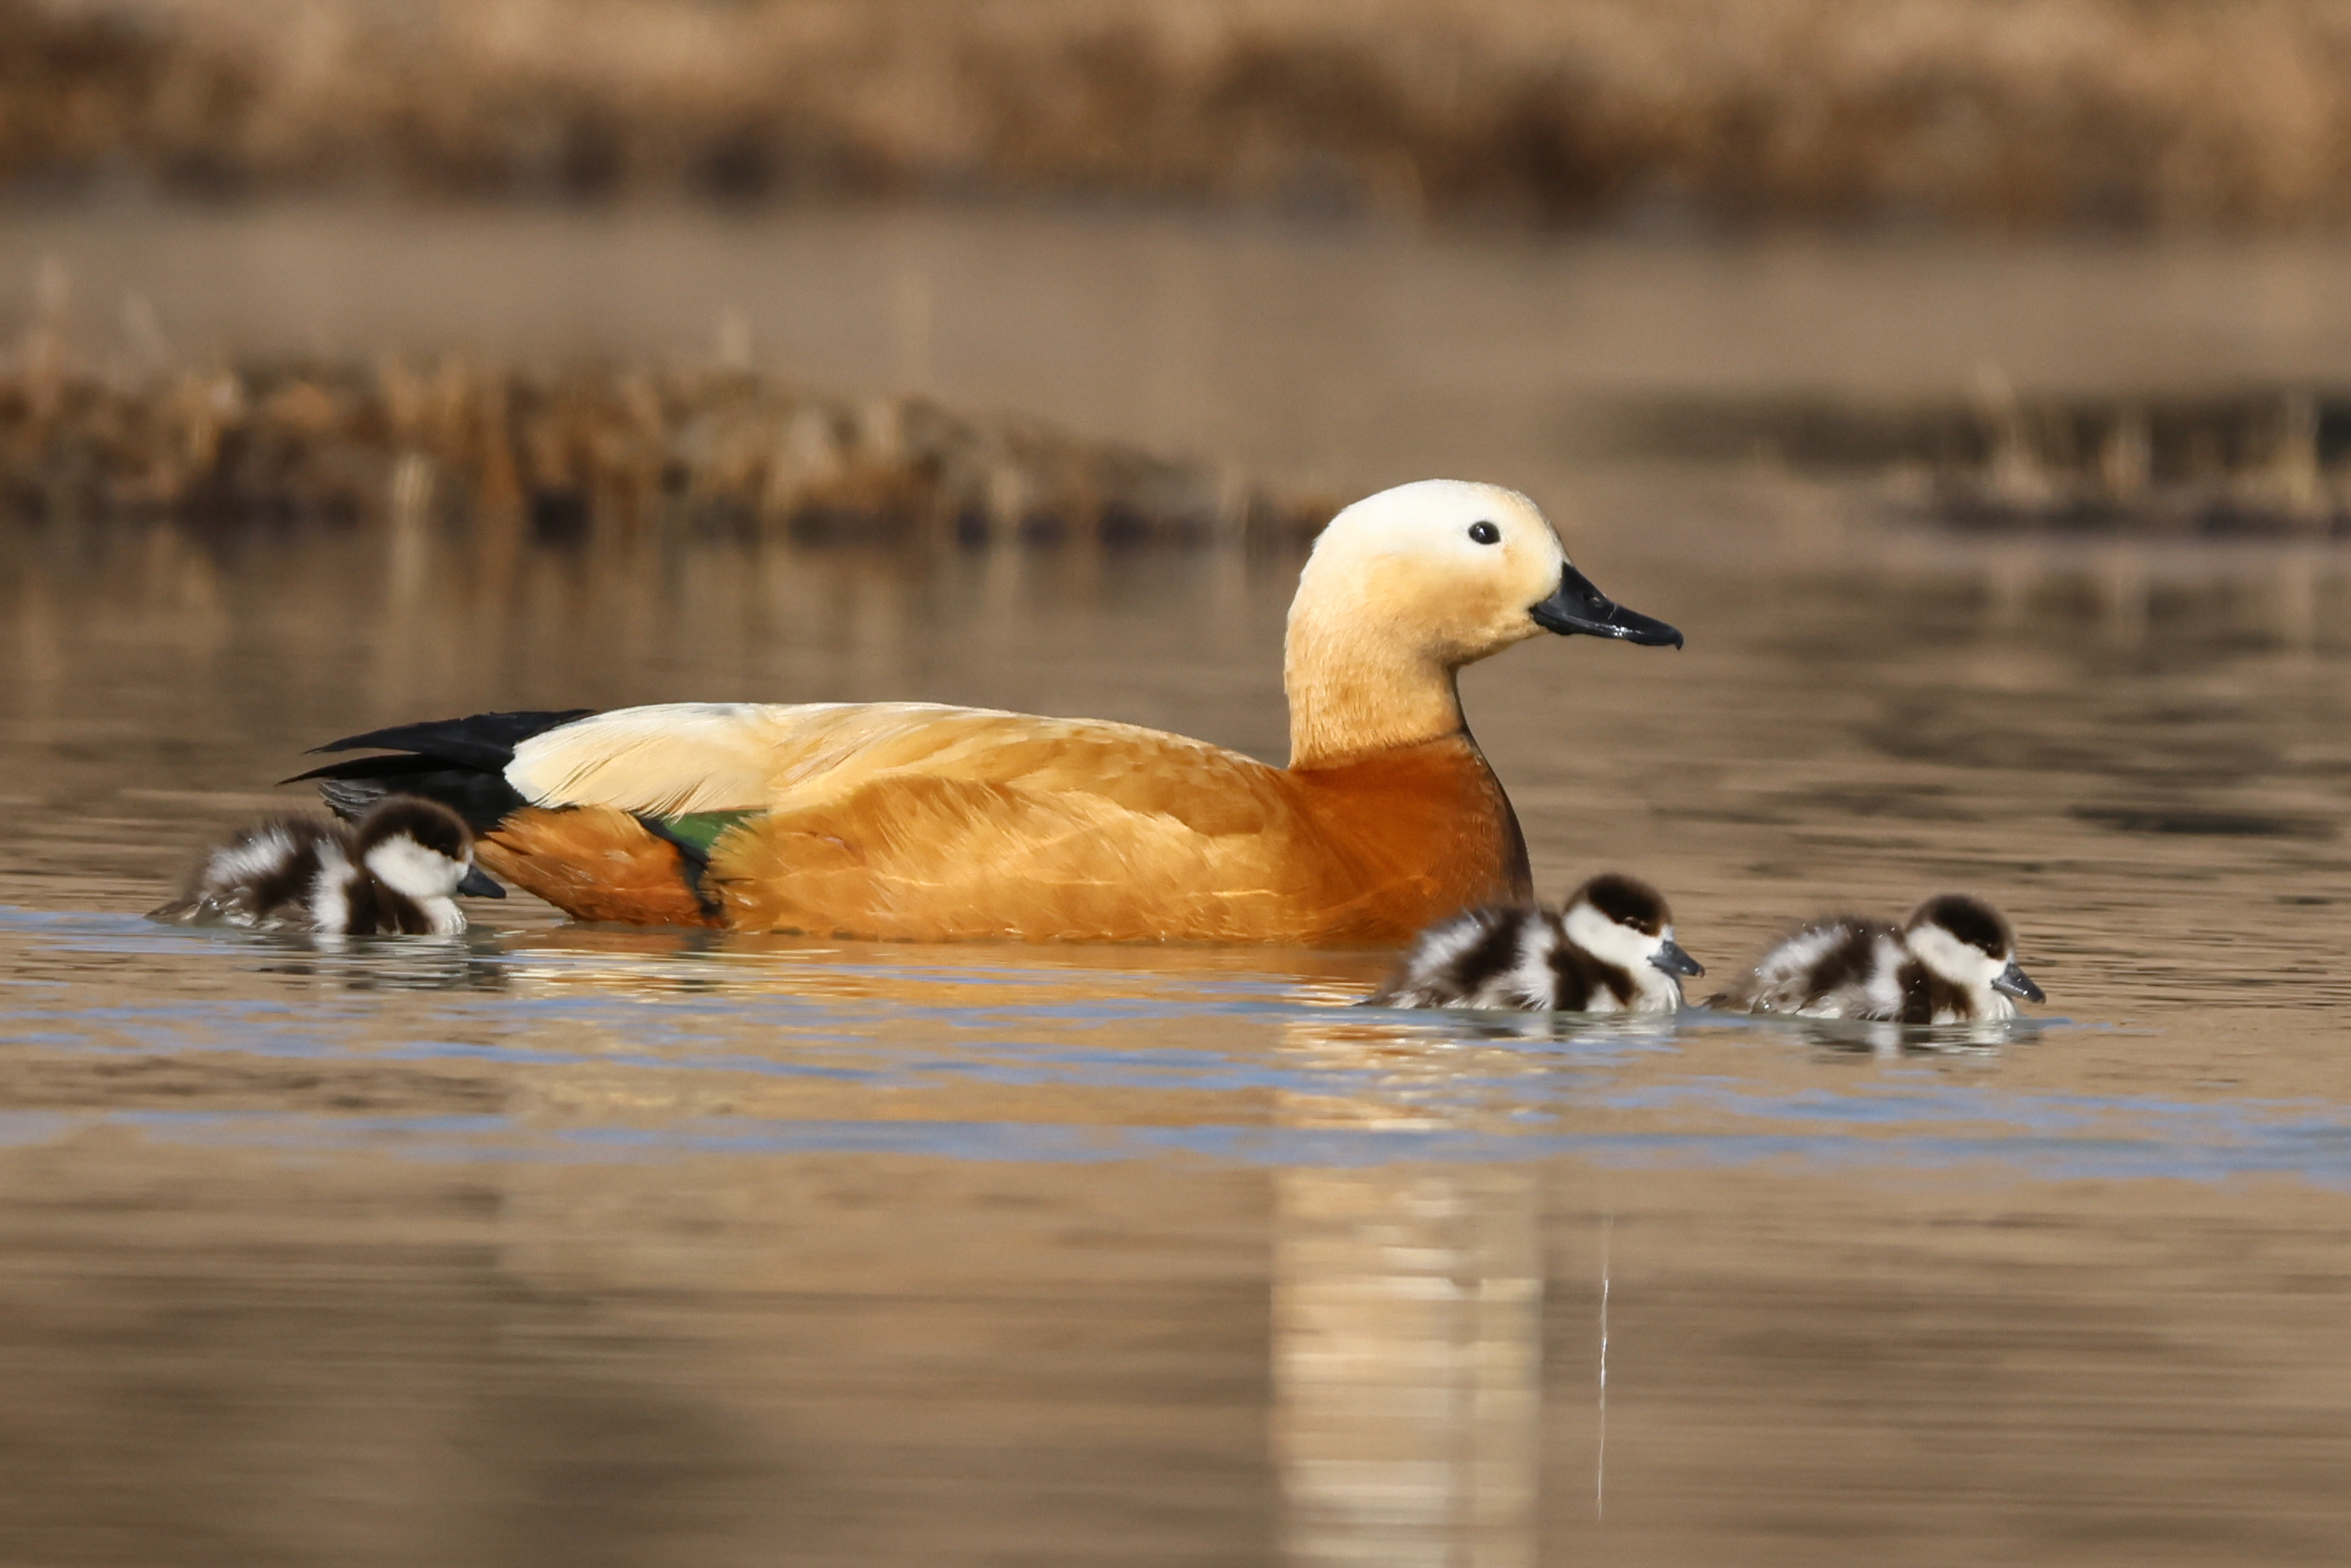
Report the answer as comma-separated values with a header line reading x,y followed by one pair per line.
x,y
678,757
664,759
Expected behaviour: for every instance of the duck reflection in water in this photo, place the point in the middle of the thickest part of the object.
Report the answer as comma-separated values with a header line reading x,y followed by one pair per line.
x,y
1408,1347
1887,1042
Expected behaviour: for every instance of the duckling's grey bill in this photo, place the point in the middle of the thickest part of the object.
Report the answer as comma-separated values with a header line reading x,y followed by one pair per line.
x,y
2017,983
1577,606
1673,960
479,883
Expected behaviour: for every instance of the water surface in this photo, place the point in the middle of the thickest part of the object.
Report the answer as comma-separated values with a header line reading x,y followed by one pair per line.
x,y
583,1246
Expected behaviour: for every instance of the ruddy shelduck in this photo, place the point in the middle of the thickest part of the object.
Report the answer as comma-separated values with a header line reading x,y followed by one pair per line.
x,y
921,822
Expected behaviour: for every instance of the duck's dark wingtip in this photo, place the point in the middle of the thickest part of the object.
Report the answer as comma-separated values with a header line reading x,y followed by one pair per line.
x,y
475,738
391,766
458,762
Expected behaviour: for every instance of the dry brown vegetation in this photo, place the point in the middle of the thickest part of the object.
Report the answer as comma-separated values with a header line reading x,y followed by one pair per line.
x,y
2016,112
2271,461
583,455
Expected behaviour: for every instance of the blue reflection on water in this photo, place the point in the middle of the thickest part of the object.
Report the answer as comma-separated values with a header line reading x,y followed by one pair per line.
x,y
1300,1085
2319,1153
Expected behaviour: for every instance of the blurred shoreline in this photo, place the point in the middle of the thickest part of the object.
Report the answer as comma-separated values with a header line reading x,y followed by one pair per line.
x,y
933,367
1717,114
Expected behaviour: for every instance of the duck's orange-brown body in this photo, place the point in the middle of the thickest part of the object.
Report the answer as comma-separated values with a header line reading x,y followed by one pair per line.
x,y
916,821
1100,837
593,863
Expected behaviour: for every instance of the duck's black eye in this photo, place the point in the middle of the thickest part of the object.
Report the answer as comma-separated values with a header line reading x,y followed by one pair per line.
x,y
1486,533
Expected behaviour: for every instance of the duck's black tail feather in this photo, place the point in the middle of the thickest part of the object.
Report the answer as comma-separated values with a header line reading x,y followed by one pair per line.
x,y
482,740
458,762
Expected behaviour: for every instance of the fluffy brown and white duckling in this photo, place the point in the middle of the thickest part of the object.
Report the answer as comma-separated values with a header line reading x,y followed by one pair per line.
x,y
395,870
1953,961
1610,949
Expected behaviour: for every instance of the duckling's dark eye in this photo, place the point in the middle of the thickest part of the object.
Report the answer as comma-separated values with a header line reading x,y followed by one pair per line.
x,y
1486,533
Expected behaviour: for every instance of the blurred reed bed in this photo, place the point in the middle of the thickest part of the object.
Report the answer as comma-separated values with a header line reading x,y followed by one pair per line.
x,y
2018,112
579,455
2262,462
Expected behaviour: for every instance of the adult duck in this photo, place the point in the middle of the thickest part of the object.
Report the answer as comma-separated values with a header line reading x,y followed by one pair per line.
x,y
921,822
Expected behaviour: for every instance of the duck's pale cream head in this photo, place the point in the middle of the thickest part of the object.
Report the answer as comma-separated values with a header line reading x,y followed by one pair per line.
x,y
1405,587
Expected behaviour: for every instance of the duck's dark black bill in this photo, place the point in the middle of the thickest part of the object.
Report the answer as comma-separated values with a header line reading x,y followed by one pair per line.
x,y
1580,607
479,883
1673,961
2017,983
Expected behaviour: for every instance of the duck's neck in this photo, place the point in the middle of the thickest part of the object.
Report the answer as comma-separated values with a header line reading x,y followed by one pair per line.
x,y
1354,695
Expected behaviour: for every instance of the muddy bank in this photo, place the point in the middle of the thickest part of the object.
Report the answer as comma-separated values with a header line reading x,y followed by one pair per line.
x,y
2106,112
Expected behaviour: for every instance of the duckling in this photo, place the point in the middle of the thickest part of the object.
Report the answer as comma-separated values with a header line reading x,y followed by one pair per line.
x,y
1953,961
1610,949
396,869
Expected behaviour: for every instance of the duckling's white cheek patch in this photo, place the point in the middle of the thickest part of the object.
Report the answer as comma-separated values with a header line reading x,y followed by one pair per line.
x,y
1604,939
1659,989
406,867
1958,962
